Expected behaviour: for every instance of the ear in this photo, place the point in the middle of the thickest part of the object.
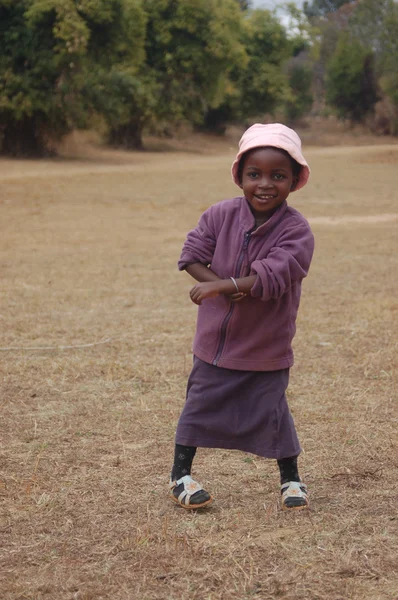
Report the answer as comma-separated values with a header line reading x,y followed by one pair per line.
x,y
294,184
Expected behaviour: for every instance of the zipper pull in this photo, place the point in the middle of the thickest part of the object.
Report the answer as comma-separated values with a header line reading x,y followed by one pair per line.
x,y
247,240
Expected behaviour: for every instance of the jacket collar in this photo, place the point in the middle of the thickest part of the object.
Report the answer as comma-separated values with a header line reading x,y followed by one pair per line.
x,y
248,222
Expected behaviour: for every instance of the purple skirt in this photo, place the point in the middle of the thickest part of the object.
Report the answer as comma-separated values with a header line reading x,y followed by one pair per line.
x,y
241,410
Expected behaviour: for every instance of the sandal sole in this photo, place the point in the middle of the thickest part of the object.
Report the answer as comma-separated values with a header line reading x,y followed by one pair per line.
x,y
291,508
191,506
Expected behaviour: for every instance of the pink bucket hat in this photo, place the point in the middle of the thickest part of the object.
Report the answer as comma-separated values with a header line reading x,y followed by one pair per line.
x,y
278,136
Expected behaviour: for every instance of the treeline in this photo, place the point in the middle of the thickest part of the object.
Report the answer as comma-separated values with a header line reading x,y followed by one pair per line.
x,y
130,66
127,66
353,53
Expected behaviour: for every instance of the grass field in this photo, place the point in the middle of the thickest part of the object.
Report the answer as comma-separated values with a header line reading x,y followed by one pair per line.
x,y
96,330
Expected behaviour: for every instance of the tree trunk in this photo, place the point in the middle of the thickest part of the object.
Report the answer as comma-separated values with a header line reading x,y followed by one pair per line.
x,y
127,136
215,120
23,139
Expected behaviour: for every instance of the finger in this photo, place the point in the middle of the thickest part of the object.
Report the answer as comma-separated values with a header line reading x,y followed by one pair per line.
x,y
194,293
237,296
195,296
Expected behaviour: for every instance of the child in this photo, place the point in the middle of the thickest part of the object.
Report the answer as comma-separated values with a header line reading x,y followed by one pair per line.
x,y
249,255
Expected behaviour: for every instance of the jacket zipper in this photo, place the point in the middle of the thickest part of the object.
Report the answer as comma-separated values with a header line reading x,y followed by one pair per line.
x,y
228,316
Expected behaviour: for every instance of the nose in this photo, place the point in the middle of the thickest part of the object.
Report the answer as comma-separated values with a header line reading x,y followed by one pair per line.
x,y
265,182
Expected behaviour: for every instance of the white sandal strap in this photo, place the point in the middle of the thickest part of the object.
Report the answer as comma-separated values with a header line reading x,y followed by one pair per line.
x,y
293,485
190,488
294,488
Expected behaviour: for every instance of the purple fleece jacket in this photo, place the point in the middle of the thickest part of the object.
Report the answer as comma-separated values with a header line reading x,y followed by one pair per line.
x,y
254,334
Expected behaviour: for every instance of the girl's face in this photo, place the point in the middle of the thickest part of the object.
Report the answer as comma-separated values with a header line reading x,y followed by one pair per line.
x,y
267,180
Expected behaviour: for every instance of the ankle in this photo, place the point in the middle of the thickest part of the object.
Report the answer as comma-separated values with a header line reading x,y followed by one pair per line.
x,y
177,474
288,469
288,479
183,457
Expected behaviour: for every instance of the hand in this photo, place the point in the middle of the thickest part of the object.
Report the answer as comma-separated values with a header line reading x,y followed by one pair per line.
x,y
237,296
206,289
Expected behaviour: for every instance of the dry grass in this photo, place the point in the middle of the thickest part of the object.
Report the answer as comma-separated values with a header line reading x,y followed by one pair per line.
x,y
88,258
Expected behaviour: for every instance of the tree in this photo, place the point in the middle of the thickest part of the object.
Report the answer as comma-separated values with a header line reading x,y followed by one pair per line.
x,y
351,85
369,30
192,46
389,56
259,85
50,51
300,82
326,20
118,86
264,85
34,74
375,24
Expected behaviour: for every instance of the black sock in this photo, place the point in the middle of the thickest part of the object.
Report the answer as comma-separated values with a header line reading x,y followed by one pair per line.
x,y
183,457
288,469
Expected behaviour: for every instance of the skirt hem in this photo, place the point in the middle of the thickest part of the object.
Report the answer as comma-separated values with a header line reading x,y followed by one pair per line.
x,y
226,445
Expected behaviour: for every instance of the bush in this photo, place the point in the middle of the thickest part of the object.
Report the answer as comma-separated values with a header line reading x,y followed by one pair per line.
x,y
351,87
300,82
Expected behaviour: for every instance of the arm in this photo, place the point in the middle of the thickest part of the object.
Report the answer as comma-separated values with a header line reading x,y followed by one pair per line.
x,y
220,286
199,246
286,264
201,273
213,288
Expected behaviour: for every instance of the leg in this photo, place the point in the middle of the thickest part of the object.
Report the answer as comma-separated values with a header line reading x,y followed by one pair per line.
x,y
294,492
183,457
288,469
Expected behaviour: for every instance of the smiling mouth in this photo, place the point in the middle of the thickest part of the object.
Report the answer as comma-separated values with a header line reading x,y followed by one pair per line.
x,y
264,197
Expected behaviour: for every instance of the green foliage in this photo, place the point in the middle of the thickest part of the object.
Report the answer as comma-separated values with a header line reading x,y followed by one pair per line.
x,y
192,46
47,50
301,99
375,23
127,100
136,63
368,24
27,75
354,56
354,49
117,85
154,63
389,70
258,85
264,85
351,86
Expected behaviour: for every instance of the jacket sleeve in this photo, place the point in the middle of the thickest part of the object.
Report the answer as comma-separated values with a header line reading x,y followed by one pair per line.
x,y
200,243
287,263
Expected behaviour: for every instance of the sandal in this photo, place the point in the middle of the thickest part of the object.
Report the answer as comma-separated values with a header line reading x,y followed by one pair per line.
x,y
294,495
189,489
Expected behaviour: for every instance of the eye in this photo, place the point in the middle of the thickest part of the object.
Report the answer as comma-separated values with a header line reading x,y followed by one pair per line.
x,y
279,176
252,175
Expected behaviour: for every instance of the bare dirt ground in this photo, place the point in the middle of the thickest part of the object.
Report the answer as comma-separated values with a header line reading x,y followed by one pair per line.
x,y
96,330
